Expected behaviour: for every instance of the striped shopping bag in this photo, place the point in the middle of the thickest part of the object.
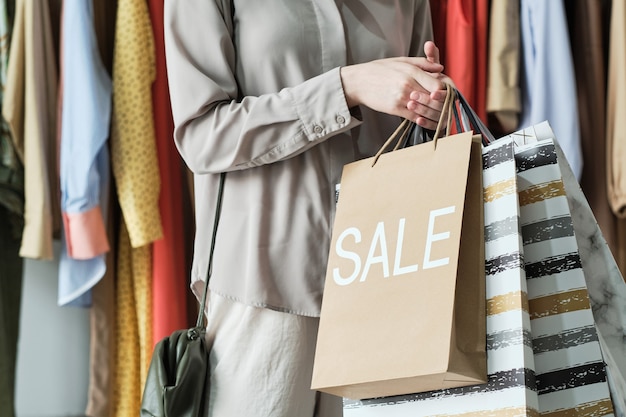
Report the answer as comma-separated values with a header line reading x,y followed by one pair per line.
x,y
510,390
570,371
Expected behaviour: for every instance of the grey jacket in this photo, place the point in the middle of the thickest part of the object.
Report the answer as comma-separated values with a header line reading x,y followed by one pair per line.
x,y
256,91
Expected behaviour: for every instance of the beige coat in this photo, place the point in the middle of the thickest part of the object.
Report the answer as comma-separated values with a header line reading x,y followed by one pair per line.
x,y
29,108
616,127
256,91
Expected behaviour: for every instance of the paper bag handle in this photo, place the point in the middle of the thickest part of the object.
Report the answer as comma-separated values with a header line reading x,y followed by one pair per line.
x,y
446,112
404,127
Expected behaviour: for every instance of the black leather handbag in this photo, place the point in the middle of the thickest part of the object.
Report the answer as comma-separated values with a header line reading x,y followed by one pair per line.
x,y
177,384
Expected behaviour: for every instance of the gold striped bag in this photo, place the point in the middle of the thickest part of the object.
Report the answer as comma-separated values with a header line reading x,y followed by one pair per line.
x,y
570,370
510,390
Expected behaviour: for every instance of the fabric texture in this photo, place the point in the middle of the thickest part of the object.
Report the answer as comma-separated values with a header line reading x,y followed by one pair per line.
x,y
133,329
504,99
102,338
11,224
102,353
460,28
11,168
248,98
84,158
135,167
586,28
270,380
616,126
133,148
10,302
548,84
29,107
616,105
169,279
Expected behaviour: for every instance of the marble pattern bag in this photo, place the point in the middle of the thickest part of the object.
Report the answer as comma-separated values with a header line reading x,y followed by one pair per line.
x,y
577,296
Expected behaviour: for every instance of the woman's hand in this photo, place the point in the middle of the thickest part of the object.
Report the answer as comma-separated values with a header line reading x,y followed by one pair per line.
x,y
408,87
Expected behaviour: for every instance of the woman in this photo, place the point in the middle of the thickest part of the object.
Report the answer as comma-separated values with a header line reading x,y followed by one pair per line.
x,y
280,94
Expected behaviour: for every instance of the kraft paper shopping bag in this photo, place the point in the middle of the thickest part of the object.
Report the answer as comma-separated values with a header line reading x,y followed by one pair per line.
x,y
404,301
510,389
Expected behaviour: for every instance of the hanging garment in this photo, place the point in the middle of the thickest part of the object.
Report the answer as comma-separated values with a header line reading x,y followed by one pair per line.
x,y
169,285
29,108
133,148
504,101
11,168
585,29
11,225
84,159
133,325
548,84
102,353
460,29
439,11
10,301
100,392
135,167
616,126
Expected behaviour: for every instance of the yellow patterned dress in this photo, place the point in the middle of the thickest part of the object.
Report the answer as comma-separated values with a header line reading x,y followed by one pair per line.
x,y
135,168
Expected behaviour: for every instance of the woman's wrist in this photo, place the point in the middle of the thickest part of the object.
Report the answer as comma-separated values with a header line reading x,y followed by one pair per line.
x,y
347,75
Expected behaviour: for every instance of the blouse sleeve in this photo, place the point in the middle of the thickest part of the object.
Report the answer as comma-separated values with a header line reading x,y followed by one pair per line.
x,y
217,127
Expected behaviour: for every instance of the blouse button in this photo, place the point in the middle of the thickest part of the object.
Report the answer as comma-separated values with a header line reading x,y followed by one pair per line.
x,y
318,129
341,120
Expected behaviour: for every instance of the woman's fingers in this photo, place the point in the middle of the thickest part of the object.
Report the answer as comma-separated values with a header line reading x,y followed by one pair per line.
x,y
423,115
427,107
401,86
432,52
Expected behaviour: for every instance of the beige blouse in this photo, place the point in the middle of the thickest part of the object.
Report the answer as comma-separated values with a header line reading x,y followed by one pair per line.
x,y
256,91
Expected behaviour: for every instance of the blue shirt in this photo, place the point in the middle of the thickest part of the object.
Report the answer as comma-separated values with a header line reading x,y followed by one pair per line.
x,y
548,80
85,170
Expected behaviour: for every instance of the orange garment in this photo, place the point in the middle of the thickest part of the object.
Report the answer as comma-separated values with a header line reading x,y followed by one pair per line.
x,y
169,279
460,31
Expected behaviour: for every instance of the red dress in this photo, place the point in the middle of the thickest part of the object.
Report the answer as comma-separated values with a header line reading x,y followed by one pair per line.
x,y
170,284
460,31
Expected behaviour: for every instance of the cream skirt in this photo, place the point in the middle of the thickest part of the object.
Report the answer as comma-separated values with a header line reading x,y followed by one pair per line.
x,y
261,363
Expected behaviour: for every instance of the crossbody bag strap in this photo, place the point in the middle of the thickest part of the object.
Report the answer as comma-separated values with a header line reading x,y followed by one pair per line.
x,y
216,221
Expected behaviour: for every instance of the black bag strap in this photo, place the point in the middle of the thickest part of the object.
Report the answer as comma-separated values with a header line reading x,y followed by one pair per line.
x,y
216,221
476,123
